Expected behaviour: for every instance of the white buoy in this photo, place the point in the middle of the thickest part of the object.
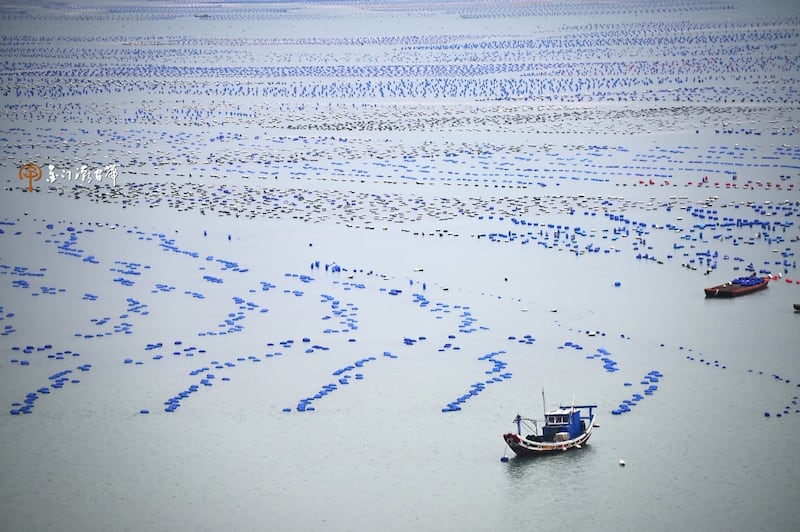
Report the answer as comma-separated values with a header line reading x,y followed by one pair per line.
x,y
622,463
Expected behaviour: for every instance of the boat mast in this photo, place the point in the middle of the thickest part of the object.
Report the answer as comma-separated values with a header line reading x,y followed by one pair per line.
x,y
544,405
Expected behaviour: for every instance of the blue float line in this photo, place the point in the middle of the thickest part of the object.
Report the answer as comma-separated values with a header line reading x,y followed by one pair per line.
x,y
344,378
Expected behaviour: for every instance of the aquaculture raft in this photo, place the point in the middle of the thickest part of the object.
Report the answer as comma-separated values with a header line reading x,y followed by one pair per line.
x,y
738,287
564,428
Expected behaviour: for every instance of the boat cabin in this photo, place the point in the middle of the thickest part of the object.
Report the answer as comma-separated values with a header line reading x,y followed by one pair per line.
x,y
565,423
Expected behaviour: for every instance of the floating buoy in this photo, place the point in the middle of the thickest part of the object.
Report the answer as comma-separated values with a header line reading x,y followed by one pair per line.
x,y
622,463
504,459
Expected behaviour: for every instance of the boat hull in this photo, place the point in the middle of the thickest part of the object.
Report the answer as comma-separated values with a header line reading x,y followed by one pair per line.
x,y
735,290
525,447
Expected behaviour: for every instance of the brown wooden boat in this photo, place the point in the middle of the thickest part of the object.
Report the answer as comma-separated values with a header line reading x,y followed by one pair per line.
x,y
738,287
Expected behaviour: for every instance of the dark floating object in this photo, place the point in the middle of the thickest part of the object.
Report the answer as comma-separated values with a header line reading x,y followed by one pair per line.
x,y
738,287
564,428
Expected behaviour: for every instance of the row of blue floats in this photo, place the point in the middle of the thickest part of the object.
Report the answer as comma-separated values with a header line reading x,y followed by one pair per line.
x,y
650,379
58,381
344,378
476,388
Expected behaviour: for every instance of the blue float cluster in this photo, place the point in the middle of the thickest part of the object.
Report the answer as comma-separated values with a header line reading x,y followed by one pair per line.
x,y
302,277
58,381
747,281
7,328
347,315
526,339
475,389
344,378
136,307
478,387
609,364
651,379
128,268
707,361
572,345
169,245
161,287
314,347
20,283
467,319
498,365
47,290
449,345
792,407
174,402
411,341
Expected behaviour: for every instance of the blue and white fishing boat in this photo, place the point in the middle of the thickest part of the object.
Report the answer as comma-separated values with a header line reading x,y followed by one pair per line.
x,y
563,428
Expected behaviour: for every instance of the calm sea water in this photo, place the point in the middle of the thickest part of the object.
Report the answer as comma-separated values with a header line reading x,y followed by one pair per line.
x,y
115,307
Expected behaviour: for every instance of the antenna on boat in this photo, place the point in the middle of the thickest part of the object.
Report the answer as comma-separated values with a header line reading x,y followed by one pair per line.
x,y
544,404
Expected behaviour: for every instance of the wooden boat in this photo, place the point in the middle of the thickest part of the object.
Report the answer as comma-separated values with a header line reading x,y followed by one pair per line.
x,y
738,287
564,428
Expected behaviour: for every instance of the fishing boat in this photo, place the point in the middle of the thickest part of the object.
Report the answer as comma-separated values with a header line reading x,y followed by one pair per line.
x,y
738,287
563,428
